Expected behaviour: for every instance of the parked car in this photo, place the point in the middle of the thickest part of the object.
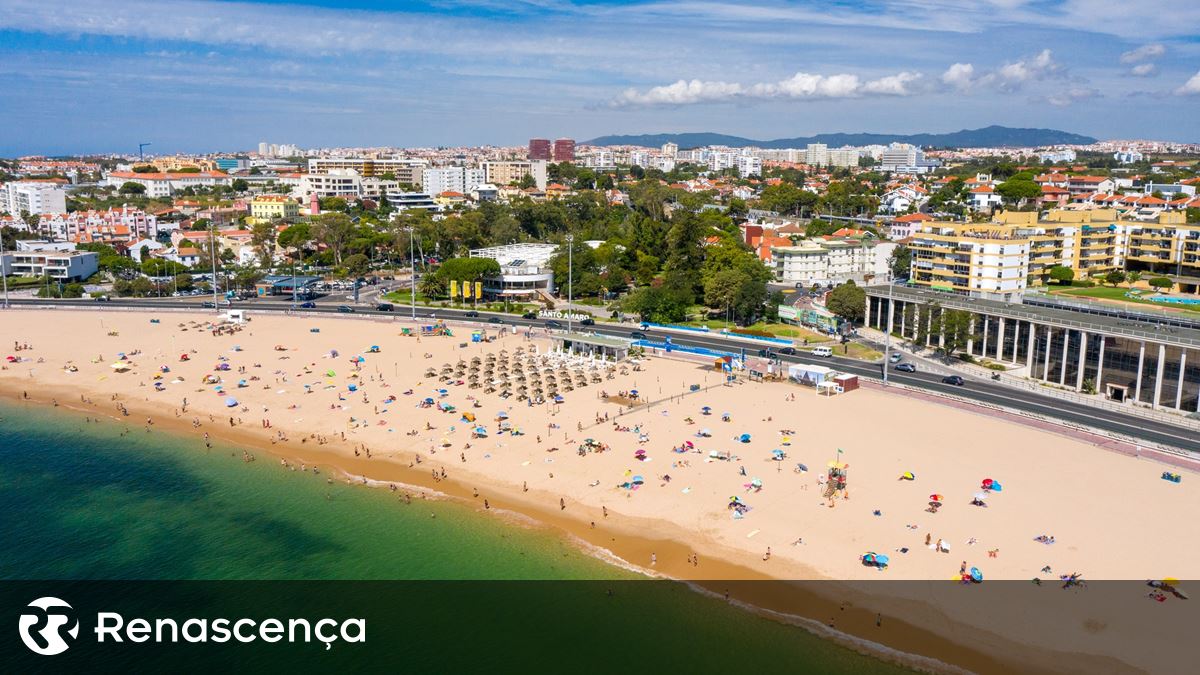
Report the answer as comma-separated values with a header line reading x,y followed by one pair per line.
x,y
345,309
895,357
308,305
788,351
906,367
637,335
589,321
554,324
529,315
472,313
385,307
955,380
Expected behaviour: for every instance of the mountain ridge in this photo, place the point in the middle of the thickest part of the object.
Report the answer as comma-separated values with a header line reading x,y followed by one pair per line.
x,y
985,137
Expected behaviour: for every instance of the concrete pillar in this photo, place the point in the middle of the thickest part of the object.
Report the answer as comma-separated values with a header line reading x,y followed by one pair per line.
x,y
891,316
1158,376
986,325
1179,385
902,326
970,337
1100,368
1016,341
1062,374
1046,357
1000,341
867,317
1029,347
1137,387
1082,360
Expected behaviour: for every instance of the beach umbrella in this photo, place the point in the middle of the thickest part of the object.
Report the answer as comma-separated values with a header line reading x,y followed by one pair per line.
x,y
633,393
706,410
744,438
558,399
981,495
908,475
502,415
230,402
976,575
757,482
777,455
429,400
120,365
935,498
637,480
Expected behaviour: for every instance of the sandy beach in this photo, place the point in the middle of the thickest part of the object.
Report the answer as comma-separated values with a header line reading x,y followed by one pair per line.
x,y
676,490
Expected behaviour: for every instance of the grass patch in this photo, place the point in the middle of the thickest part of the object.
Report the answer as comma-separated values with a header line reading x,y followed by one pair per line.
x,y
1118,295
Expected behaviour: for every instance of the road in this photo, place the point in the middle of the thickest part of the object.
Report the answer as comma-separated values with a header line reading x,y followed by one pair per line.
x,y
978,390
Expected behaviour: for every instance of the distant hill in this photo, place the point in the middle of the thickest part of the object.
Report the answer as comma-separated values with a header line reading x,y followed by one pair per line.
x,y
987,137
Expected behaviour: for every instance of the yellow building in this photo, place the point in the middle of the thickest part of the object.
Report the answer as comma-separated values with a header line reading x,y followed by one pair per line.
x,y
273,207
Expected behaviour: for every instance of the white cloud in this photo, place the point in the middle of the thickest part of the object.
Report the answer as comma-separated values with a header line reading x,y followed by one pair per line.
x,y
1143,70
1191,87
1011,76
1071,95
1144,53
798,86
959,76
680,93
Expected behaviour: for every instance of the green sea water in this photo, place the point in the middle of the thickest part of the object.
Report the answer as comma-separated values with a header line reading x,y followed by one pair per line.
x,y
87,501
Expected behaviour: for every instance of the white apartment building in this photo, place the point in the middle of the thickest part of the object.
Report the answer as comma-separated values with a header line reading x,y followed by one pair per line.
x,y
844,157
58,265
404,170
827,261
749,166
670,150
983,261
816,154
68,226
335,183
452,179
34,197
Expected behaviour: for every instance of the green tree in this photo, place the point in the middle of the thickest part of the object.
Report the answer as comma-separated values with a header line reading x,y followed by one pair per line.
x,y
296,237
432,286
1019,189
141,287
924,323
900,261
184,282
356,265
240,185
262,238
1062,275
1161,283
132,188
658,303
955,330
1115,278
1133,277
848,301
335,231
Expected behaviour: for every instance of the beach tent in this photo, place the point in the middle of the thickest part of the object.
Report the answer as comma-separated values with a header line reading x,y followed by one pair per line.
x,y
908,475
778,455
468,417
744,438
877,560
976,575
120,366
501,415
230,402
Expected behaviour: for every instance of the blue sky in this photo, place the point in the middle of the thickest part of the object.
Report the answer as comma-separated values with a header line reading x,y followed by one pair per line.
x,y
208,75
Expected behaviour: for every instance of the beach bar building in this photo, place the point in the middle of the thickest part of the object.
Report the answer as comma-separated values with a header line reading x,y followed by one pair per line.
x,y
599,347
1125,353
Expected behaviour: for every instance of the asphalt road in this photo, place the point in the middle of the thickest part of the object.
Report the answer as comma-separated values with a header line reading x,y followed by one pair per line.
x,y
978,390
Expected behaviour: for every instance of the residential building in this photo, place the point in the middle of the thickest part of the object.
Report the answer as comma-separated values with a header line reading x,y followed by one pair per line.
x,y
274,207
58,265
1128,156
903,227
404,201
816,154
404,170
135,223
508,172
345,183
670,150
981,260
749,166
452,179
985,198
34,197
1056,156
827,261
564,150
844,157
539,148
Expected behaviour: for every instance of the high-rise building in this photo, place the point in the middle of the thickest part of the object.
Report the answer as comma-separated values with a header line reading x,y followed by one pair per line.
x,y
670,149
816,154
451,179
539,148
263,149
34,197
564,150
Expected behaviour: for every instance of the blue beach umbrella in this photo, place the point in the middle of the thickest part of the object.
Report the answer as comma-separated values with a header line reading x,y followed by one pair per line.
x,y
230,402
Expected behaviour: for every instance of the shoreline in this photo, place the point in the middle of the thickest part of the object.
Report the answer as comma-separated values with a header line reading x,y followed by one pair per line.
x,y
900,642
818,585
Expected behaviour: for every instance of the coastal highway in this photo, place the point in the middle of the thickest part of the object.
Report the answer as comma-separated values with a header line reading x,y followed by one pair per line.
x,y
982,391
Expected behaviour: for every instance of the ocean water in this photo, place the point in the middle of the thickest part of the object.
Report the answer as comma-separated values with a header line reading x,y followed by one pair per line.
x,y
83,501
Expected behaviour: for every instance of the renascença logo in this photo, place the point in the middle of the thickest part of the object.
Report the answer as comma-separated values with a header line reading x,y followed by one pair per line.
x,y
43,624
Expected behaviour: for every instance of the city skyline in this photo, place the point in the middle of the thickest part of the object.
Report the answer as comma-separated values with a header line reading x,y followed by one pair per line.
x,y
207,75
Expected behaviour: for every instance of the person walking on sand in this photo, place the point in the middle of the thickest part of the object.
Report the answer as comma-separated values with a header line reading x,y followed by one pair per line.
x,y
653,559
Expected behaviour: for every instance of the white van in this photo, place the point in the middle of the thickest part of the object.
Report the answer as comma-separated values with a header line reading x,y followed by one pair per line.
x,y
824,352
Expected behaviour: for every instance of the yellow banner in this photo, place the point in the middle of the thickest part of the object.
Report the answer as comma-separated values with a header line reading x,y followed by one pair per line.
x,y
466,290
479,290
453,288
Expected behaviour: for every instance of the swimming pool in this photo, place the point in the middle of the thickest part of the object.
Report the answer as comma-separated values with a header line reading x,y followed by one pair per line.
x,y
1174,301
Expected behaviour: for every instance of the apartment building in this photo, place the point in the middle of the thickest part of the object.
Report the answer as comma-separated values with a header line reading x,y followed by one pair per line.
x,y
273,207
58,265
997,260
452,179
35,197
829,261
508,172
404,170
71,226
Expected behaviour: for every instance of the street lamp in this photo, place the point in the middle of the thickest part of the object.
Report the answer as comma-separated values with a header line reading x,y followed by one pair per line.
x,y
412,273
570,277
